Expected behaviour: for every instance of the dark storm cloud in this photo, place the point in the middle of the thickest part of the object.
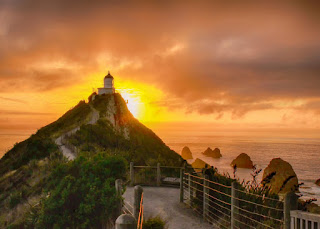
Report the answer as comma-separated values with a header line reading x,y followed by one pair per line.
x,y
235,57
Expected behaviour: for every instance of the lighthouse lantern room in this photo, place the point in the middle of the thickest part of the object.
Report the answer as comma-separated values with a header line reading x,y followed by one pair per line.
x,y
108,85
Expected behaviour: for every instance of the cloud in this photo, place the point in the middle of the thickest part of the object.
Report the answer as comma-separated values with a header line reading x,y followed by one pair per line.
x,y
13,100
209,57
23,113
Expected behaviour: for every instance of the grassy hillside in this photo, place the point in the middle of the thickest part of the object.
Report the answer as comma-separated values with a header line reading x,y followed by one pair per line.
x,y
141,145
27,170
41,144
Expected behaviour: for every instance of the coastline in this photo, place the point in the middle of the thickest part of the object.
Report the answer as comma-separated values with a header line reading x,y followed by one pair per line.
x,y
230,147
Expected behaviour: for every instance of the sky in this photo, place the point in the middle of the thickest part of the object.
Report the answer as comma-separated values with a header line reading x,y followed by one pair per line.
x,y
182,65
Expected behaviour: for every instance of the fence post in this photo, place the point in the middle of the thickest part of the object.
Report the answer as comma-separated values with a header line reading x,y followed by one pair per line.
x,y
181,185
126,221
234,205
205,198
158,174
136,201
290,203
118,185
131,174
189,187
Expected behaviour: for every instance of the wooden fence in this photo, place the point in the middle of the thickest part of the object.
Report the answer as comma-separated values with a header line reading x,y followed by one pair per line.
x,y
304,220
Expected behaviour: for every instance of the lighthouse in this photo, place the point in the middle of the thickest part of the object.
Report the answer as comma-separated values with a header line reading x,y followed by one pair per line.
x,y
108,85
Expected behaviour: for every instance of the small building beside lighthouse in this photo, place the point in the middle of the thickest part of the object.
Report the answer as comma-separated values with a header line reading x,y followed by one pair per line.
x,y
108,85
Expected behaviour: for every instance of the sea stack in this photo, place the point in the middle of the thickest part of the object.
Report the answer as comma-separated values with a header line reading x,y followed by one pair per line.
x,y
212,153
242,161
199,164
280,176
186,153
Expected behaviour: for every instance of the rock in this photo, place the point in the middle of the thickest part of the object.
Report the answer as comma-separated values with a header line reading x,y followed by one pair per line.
x,y
186,153
280,177
313,208
199,164
317,182
242,161
212,153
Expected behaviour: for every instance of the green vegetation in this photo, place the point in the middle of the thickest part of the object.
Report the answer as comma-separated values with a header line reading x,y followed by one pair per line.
x,y
154,223
40,189
41,144
73,118
81,193
22,188
249,191
35,148
15,199
142,145
145,176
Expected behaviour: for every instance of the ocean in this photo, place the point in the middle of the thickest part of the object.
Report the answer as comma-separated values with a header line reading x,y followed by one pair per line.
x,y
302,153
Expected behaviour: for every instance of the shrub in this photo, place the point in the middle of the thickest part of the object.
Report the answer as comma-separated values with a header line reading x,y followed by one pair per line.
x,y
154,223
15,199
81,193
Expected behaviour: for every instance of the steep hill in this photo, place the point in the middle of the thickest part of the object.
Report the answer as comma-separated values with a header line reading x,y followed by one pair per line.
x,y
104,124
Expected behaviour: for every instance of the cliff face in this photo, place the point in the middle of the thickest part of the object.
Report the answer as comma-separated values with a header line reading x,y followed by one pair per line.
x,y
102,125
117,130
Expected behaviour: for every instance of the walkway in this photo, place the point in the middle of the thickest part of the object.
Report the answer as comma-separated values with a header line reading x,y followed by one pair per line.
x,y
68,152
164,202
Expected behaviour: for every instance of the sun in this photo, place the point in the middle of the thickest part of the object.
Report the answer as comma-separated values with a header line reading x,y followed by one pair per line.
x,y
133,100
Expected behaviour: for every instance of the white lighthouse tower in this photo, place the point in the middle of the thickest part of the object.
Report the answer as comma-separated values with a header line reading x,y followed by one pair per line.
x,y
108,85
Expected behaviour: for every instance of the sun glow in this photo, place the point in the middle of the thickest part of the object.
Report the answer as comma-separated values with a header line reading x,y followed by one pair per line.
x,y
134,103
140,99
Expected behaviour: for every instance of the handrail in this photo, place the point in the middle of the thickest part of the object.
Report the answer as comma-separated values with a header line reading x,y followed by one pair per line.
x,y
140,217
171,167
261,196
154,167
145,166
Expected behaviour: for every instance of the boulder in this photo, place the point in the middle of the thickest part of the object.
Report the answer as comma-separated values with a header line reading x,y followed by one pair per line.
x,y
212,153
199,164
186,153
280,177
317,182
313,208
242,161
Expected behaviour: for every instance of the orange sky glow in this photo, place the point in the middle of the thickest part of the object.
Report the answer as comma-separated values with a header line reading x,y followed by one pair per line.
x,y
181,65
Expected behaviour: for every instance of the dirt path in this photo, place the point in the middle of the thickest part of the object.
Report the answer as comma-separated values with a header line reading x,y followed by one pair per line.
x,y
164,202
67,151
95,115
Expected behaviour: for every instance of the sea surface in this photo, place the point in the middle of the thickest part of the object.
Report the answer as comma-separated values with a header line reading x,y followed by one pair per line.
x,y
302,153
7,140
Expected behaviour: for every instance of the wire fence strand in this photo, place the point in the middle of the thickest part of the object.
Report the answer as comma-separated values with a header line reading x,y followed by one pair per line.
x,y
198,189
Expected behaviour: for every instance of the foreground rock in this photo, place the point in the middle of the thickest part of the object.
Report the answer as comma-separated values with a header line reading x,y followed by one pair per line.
x,y
317,182
212,153
199,164
186,153
313,208
242,161
280,176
